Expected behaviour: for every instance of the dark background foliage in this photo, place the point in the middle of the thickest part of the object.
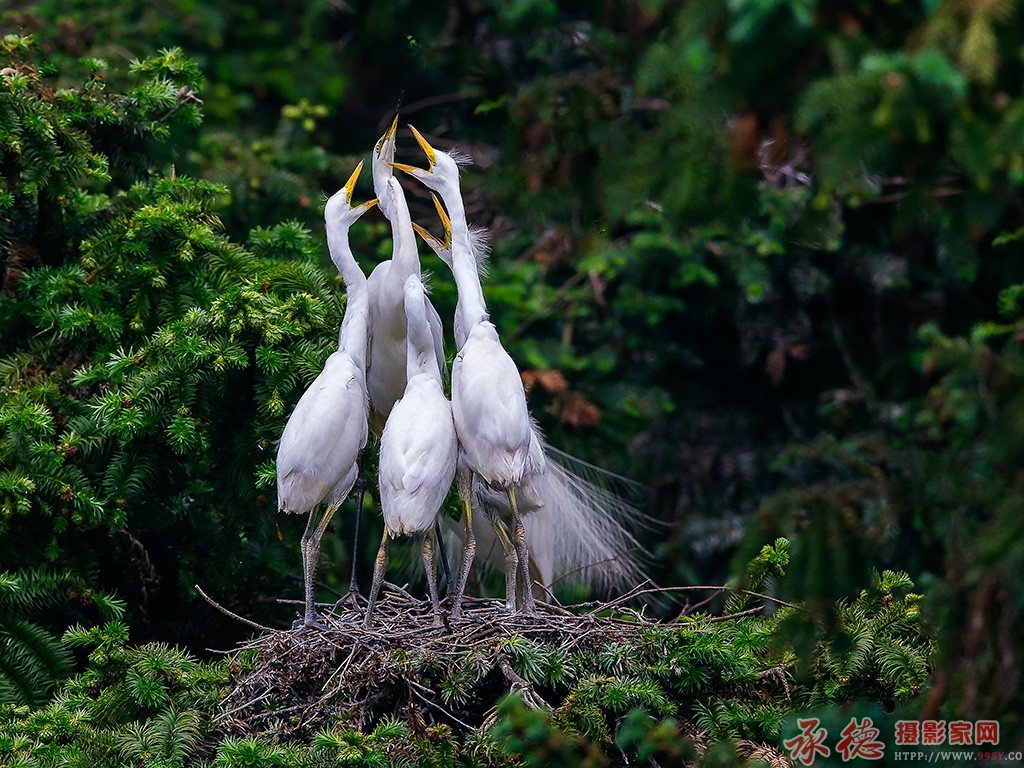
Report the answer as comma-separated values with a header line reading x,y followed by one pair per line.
x,y
772,249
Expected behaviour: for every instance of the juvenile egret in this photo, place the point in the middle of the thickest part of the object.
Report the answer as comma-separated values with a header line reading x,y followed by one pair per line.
x,y
418,450
317,454
488,399
576,527
386,377
386,357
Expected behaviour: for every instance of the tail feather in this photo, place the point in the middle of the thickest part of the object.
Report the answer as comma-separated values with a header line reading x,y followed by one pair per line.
x,y
594,528
580,526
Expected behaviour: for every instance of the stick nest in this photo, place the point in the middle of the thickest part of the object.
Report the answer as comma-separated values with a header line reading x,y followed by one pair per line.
x,y
405,664
442,680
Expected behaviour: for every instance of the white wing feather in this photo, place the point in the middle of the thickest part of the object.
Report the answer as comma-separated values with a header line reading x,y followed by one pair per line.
x,y
316,456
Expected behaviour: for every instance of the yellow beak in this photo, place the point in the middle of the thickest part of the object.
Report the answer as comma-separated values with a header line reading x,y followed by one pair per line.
x,y
404,167
423,233
427,149
387,135
351,183
445,221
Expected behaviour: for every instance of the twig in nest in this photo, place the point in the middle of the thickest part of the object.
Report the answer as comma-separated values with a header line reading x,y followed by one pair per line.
x,y
233,615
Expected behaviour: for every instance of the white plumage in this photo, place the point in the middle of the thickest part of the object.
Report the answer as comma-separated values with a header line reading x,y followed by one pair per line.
x,y
488,399
418,449
573,527
386,377
320,444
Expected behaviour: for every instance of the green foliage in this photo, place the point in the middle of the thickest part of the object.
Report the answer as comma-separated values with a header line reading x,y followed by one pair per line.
x,y
32,658
156,358
150,703
698,687
773,247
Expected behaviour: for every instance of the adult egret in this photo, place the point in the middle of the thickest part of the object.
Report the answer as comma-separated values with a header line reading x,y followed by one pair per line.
x,y
488,400
593,528
418,450
318,450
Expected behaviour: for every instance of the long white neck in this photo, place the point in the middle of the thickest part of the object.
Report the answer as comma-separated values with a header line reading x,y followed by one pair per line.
x,y
471,308
405,259
420,341
355,326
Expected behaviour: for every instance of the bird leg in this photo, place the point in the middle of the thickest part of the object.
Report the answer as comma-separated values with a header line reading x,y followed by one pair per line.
x,y
378,576
443,554
468,553
310,555
361,484
519,542
511,578
429,543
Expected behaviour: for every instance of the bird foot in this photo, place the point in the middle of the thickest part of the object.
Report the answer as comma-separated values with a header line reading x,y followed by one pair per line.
x,y
314,621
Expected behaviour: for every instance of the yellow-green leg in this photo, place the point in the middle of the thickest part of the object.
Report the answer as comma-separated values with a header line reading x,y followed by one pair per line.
x,y
378,576
468,553
522,555
429,543
310,546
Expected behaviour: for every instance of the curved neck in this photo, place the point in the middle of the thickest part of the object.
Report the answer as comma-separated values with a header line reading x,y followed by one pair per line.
x,y
355,325
405,259
471,308
420,357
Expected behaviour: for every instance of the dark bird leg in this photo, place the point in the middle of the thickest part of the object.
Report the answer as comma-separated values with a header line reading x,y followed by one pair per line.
x,y
467,558
353,585
443,554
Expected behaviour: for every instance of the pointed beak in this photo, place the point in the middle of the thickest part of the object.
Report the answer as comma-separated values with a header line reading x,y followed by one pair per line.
x,y
370,203
427,149
406,168
351,183
427,237
389,135
445,221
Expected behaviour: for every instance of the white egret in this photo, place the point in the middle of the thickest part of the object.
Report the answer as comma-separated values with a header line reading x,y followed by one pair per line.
x,y
386,357
320,444
386,377
488,399
593,527
418,450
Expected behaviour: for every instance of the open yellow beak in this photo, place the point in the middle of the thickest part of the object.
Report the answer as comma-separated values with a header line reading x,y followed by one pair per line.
x,y
423,233
445,221
404,167
427,149
351,183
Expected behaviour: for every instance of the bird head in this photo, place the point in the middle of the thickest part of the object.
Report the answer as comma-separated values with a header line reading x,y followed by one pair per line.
x,y
442,171
339,205
383,154
443,249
